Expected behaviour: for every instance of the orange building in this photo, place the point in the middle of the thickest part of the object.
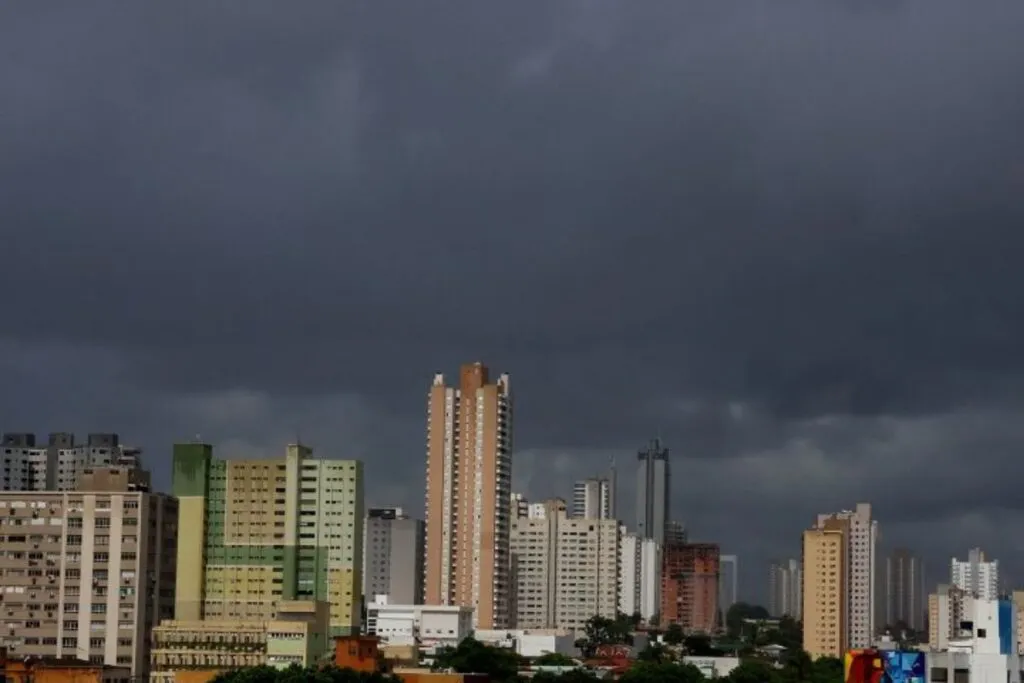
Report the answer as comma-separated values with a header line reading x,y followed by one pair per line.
x,y
61,670
689,586
357,652
469,496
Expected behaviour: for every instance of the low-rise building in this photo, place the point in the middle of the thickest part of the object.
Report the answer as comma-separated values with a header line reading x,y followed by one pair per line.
x,y
60,670
299,636
531,643
985,646
713,667
427,626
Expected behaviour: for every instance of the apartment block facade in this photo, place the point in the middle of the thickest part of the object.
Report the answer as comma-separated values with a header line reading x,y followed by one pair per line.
x,y
28,465
469,495
566,568
653,484
594,498
689,586
393,556
255,533
860,577
976,576
785,581
86,574
639,576
903,591
825,586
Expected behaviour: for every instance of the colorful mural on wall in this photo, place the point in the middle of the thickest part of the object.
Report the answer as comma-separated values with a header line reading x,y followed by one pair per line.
x,y
884,666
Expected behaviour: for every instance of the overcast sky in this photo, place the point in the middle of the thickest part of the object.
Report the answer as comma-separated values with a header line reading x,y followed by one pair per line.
x,y
785,236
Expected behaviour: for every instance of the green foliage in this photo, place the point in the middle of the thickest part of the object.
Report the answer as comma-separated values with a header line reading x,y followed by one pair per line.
x,y
740,611
573,676
473,657
662,672
674,634
554,659
298,674
604,631
654,652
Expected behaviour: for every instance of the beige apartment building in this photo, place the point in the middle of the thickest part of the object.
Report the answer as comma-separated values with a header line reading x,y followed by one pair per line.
x,y
469,495
947,607
824,590
566,568
87,573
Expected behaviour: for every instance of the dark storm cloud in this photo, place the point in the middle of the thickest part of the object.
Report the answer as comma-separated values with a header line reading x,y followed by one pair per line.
x,y
786,237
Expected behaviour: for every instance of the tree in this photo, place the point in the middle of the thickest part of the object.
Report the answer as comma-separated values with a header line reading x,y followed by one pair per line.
x,y
739,612
827,670
752,671
674,634
298,674
662,672
554,659
604,631
472,656
700,646
654,652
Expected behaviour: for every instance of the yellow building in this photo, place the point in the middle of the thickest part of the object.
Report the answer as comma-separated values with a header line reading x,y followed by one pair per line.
x,y
824,589
254,533
198,650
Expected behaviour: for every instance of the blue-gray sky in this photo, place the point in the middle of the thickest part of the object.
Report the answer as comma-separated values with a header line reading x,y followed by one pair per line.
x,y
784,236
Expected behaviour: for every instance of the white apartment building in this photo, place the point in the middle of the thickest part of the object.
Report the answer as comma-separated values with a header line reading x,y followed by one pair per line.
x,y
593,499
976,576
785,596
531,644
639,575
426,626
984,647
86,574
860,573
566,569
28,465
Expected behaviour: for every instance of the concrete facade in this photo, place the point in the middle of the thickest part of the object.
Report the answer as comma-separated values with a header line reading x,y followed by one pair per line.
x,y
824,589
469,495
785,581
393,550
977,576
86,574
653,484
639,576
566,569
690,574
425,626
255,533
593,498
28,465
860,578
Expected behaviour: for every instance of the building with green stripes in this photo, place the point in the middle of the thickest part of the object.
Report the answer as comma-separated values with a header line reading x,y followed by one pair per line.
x,y
255,532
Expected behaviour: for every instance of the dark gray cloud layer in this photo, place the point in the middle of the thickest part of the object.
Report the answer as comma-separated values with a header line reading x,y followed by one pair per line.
x,y
786,237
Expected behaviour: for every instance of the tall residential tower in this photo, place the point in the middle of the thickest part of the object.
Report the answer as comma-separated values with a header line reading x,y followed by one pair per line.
x,y
653,478
254,533
469,495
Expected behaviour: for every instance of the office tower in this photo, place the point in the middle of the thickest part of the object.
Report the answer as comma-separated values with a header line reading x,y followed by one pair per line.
x,y
592,499
860,578
689,586
86,574
976,576
468,501
784,589
566,568
639,576
56,465
947,608
825,586
903,590
653,483
255,533
728,585
393,556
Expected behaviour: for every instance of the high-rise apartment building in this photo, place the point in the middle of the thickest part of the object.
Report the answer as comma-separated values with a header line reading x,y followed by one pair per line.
x,y
653,483
520,506
255,533
675,534
903,590
689,586
860,575
86,574
393,556
785,581
593,499
825,603
976,576
728,583
469,495
947,609
639,576
28,465
567,569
